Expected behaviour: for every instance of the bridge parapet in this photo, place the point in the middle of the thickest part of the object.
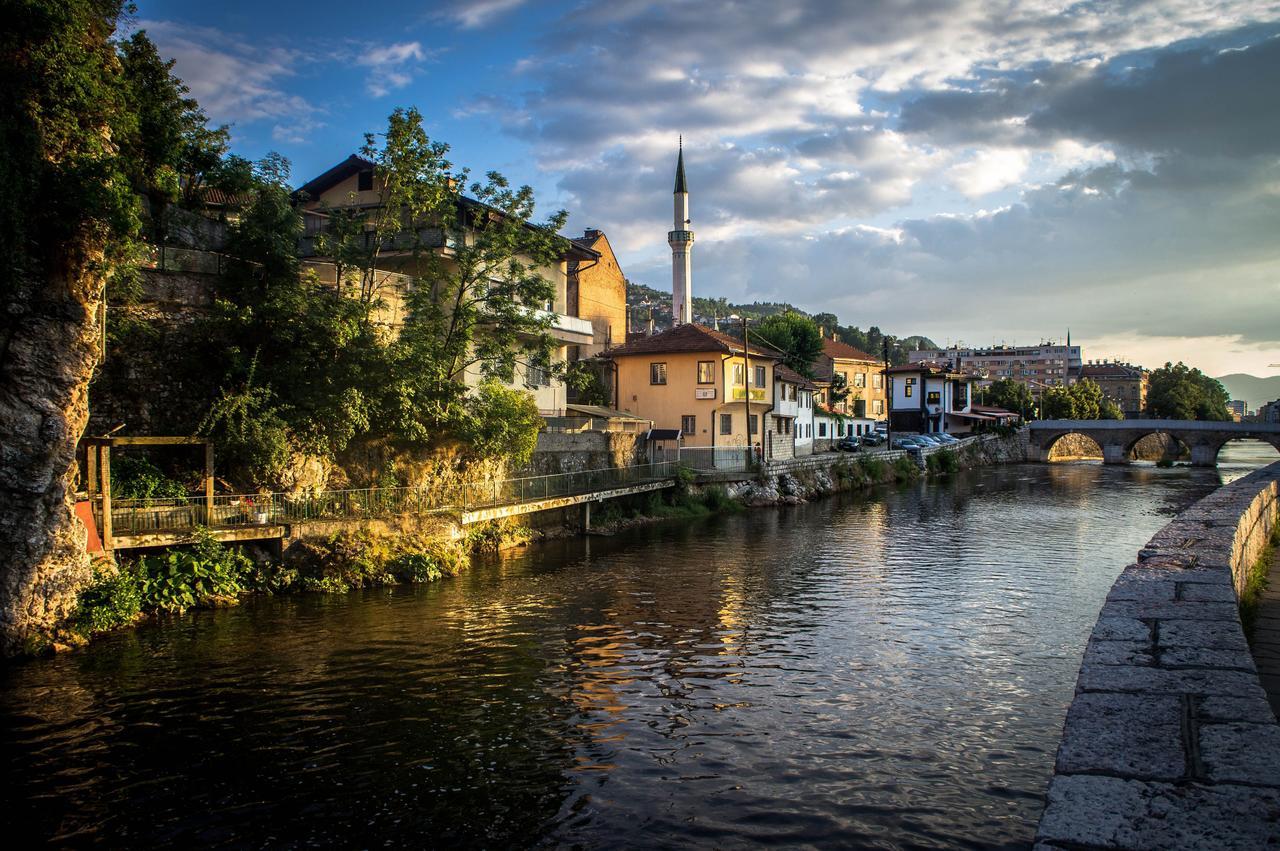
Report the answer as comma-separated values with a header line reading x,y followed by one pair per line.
x,y
1170,741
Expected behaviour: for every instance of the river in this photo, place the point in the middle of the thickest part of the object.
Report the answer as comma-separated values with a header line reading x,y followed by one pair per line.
x,y
884,671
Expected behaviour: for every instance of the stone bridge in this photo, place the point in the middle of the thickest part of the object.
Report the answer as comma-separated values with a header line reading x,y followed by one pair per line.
x,y
1117,437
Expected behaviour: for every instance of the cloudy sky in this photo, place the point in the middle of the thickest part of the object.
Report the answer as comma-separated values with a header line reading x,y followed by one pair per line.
x,y
972,170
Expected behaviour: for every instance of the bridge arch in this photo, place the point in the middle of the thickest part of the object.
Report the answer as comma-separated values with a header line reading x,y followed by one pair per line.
x,y
1245,443
1071,446
1148,447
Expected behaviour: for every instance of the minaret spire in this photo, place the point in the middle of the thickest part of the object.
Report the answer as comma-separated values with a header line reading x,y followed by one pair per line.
x,y
681,241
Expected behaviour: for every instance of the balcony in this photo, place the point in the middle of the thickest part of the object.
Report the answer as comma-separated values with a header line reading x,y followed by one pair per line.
x,y
570,330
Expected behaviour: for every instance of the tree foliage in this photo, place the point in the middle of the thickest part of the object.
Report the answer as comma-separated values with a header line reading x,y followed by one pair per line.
x,y
1180,392
1011,395
793,334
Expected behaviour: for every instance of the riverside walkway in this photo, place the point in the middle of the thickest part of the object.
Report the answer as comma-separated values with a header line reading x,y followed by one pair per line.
x,y
133,523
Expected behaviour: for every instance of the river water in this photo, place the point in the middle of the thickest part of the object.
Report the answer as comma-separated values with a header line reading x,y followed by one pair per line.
x,y
888,671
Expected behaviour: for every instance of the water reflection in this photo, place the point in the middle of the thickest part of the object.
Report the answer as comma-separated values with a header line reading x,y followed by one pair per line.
x,y
889,672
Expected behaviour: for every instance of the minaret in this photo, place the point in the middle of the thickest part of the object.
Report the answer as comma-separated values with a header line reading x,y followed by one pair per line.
x,y
681,241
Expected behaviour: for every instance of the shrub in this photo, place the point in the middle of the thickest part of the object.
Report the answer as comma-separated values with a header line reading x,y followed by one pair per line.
x,y
905,469
113,599
133,477
497,534
349,559
943,461
185,578
716,498
873,469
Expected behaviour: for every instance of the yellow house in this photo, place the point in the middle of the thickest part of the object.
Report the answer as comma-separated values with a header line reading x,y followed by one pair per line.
x,y
597,292
862,374
354,184
697,380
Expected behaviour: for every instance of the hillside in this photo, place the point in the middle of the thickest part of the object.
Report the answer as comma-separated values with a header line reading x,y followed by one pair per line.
x,y
1254,390
644,302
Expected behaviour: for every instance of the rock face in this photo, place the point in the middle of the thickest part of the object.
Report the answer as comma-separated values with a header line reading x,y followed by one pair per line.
x,y
48,348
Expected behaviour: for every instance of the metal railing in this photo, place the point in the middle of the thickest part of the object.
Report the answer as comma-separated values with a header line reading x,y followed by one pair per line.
x,y
532,488
133,516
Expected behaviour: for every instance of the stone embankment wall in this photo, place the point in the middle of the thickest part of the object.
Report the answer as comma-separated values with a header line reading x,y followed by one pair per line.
x,y
1170,741
573,452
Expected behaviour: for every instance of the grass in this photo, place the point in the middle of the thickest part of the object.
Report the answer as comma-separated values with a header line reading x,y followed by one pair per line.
x,y
1256,583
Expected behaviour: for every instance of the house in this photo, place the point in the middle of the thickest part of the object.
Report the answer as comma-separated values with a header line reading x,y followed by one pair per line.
x,y
700,381
843,366
790,430
353,184
597,292
926,397
1122,383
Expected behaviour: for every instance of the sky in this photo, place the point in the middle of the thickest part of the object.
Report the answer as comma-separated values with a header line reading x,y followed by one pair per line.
x,y
972,170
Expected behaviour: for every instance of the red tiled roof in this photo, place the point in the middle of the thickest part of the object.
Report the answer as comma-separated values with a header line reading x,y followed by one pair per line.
x,y
844,351
1110,370
789,375
689,338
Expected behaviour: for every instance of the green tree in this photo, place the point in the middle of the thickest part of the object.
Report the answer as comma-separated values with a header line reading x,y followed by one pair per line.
x,y
1088,399
1011,395
794,335
1180,392
1110,410
1058,403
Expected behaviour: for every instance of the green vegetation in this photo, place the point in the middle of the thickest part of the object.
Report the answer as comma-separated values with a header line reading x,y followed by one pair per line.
x,y
1183,393
1256,583
366,558
1081,401
905,469
135,477
203,574
1008,394
873,469
793,334
944,461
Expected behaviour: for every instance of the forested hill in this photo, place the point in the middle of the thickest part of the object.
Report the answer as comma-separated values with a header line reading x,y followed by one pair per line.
x,y
644,303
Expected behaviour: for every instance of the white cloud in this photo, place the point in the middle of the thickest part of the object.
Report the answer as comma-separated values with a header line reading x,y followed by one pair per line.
x,y
990,170
393,65
471,14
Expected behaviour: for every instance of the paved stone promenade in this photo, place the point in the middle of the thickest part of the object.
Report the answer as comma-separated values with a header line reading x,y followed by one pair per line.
x,y
1170,741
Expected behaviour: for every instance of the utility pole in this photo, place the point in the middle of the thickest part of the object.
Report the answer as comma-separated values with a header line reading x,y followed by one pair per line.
x,y
746,395
888,401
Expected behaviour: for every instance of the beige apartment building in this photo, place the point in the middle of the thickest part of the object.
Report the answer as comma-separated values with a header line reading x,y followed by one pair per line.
x,y
861,373
699,381
1122,383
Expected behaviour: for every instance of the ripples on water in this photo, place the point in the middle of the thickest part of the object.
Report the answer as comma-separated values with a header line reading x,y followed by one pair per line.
x,y
887,672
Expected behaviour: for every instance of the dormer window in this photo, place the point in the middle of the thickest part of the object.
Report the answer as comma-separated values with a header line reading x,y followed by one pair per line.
x,y
364,181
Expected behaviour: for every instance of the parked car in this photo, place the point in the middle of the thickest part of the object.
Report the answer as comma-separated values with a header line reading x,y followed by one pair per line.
x,y
946,438
882,425
849,444
906,443
928,440
872,438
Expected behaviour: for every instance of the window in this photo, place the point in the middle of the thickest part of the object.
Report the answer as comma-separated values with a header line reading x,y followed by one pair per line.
x,y
842,379
657,373
726,423
753,424
759,371
933,397
739,374
859,379
822,429
688,424
364,182
877,407
536,374
706,372
909,387
877,381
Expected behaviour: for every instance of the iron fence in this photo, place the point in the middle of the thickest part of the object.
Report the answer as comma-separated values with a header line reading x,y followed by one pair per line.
x,y
133,516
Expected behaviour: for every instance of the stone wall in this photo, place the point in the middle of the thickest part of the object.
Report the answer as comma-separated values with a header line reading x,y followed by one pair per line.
x,y
1170,741
572,452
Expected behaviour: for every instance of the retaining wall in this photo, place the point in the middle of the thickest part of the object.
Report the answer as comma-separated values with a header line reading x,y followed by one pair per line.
x,y
1169,741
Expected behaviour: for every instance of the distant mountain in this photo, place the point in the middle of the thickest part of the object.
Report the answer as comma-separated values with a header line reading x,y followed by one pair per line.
x,y
1252,389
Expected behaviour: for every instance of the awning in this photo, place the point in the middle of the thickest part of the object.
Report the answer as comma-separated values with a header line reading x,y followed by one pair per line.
x,y
664,434
982,417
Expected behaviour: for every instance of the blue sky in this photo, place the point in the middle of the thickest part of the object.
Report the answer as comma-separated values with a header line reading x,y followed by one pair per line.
x,y
962,169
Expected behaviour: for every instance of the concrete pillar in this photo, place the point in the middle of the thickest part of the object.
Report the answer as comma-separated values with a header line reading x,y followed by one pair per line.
x,y
1204,455
586,517
1115,453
